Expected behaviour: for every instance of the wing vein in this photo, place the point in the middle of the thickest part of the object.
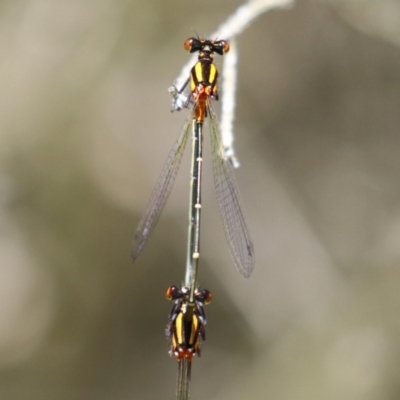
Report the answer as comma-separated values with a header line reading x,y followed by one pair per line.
x,y
161,191
230,205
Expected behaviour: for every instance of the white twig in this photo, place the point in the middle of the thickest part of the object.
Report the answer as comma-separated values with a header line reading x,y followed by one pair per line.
x,y
232,27
229,75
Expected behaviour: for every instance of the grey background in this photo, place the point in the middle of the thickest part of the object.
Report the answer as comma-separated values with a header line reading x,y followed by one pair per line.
x,y
85,127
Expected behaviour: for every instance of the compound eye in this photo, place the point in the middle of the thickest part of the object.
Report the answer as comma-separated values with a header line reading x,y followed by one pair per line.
x,y
188,44
204,296
192,45
225,46
208,298
221,47
172,293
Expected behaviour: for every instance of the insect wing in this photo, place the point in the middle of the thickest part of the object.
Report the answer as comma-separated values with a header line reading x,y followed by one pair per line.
x,y
161,191
229,204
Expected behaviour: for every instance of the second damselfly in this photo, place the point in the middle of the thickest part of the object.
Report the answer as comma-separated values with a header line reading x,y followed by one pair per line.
x,y
203,88
186,331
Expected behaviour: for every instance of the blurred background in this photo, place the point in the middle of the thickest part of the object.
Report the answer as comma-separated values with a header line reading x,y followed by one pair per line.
x,y
85,127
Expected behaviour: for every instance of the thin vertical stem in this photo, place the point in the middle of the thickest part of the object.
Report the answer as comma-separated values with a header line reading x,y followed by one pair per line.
x,y
183,382
193,252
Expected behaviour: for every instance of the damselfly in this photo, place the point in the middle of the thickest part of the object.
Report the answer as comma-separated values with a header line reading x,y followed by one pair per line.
x,y
203,88
185,330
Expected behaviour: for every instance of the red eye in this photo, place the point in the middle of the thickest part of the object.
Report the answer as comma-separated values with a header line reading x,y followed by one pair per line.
x,y
188,44
220,47
204,296
225,46
208,298
172,292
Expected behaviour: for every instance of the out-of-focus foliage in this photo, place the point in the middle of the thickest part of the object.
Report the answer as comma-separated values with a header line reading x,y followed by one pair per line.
x,y
85,126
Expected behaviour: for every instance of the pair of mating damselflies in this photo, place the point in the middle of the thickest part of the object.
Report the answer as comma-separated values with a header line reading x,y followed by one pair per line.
x,y
186,326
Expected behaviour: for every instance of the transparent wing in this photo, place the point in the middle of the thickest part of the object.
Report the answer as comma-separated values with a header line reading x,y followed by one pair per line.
x,y
161,192
229,204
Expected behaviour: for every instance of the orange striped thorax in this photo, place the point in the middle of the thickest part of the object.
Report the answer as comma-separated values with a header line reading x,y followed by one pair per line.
x,y
186,324
204,75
